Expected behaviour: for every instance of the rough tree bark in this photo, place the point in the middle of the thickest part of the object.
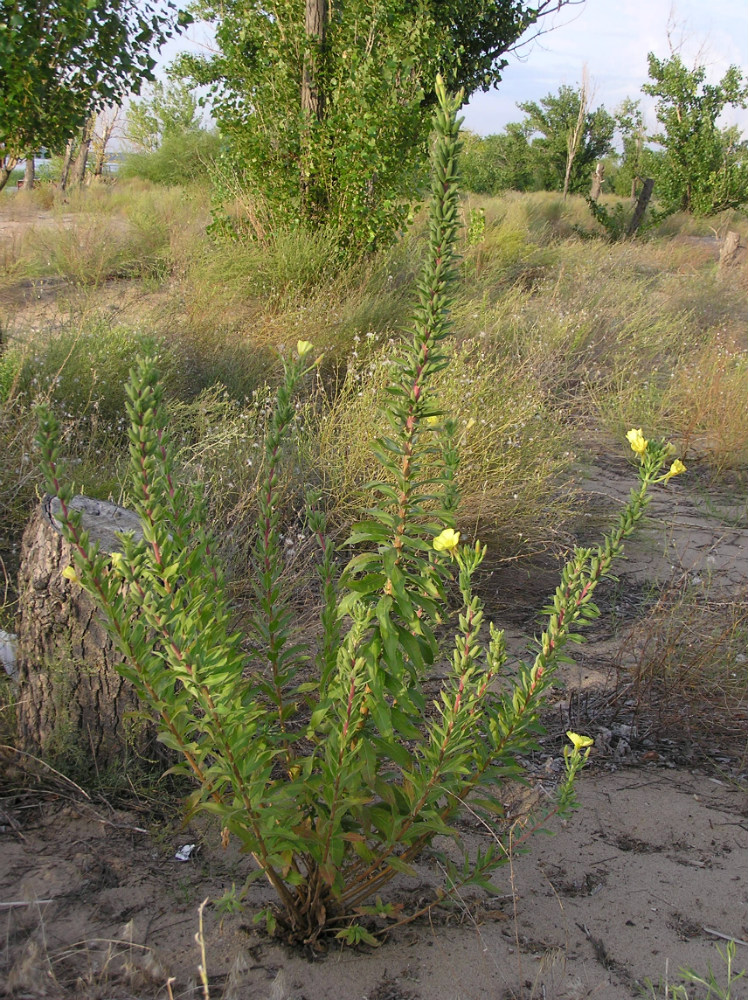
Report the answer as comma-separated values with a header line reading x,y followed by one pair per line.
x,y
312,100
730,251
315,25
72,703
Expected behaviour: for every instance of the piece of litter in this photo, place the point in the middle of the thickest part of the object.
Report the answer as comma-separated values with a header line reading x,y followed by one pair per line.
x,y
185,853
8,654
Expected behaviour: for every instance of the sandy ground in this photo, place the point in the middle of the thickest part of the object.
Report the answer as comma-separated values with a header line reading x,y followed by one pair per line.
x,y
639,882
648,876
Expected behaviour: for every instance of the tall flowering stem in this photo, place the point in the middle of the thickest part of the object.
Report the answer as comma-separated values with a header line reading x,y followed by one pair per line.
x,y
335,777
398,574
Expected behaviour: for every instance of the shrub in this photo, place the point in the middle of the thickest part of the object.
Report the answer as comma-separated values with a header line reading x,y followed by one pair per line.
x,y
183,158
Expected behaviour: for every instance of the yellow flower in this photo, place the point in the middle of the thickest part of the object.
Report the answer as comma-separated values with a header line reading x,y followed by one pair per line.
x,y
580,742
70,574
675,469
431,421
637,441
303,347
447,541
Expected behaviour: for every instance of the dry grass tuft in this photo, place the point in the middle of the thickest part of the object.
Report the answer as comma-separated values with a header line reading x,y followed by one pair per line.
x,y
691,670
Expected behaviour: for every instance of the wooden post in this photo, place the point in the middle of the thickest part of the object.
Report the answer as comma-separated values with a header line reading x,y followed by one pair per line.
x,y
641,206
72,703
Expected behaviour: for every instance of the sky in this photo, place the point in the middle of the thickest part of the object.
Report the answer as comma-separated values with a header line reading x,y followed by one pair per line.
x,y
612,38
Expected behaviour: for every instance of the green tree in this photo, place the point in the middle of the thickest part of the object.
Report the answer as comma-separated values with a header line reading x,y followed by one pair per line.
x,y
61,60
326,106
637,160
630,122
704,169
173,147
502,162
182,158
565,135
166,110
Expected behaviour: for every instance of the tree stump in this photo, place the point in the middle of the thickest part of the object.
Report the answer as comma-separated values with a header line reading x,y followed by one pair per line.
x,y
731,256
73,706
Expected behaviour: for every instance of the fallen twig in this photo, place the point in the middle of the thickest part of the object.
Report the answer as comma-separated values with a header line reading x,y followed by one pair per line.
x,y
30,902
725,937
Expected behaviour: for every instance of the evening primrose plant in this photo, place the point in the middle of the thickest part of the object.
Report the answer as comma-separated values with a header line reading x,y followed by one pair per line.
x,y
332,767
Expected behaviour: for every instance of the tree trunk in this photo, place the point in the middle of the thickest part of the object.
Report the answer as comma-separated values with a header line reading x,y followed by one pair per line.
x,y
731,257
597,181
641,207
574,139
66,161
315,25
29,175
312,105
78,172
106,122
73,706
7,166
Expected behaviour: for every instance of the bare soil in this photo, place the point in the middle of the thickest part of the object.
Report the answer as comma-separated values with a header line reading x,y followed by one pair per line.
x,y
639,882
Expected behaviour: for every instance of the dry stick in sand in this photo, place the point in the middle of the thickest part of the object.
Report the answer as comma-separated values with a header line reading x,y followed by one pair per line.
x,y
725,937
200,939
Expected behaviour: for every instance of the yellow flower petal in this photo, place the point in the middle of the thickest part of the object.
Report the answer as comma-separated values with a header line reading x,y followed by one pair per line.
x,y
447,541
580,742
637,441
70,574
675,469
303,347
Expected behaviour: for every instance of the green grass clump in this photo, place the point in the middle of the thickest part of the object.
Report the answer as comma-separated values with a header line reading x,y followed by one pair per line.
x,y
82,370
